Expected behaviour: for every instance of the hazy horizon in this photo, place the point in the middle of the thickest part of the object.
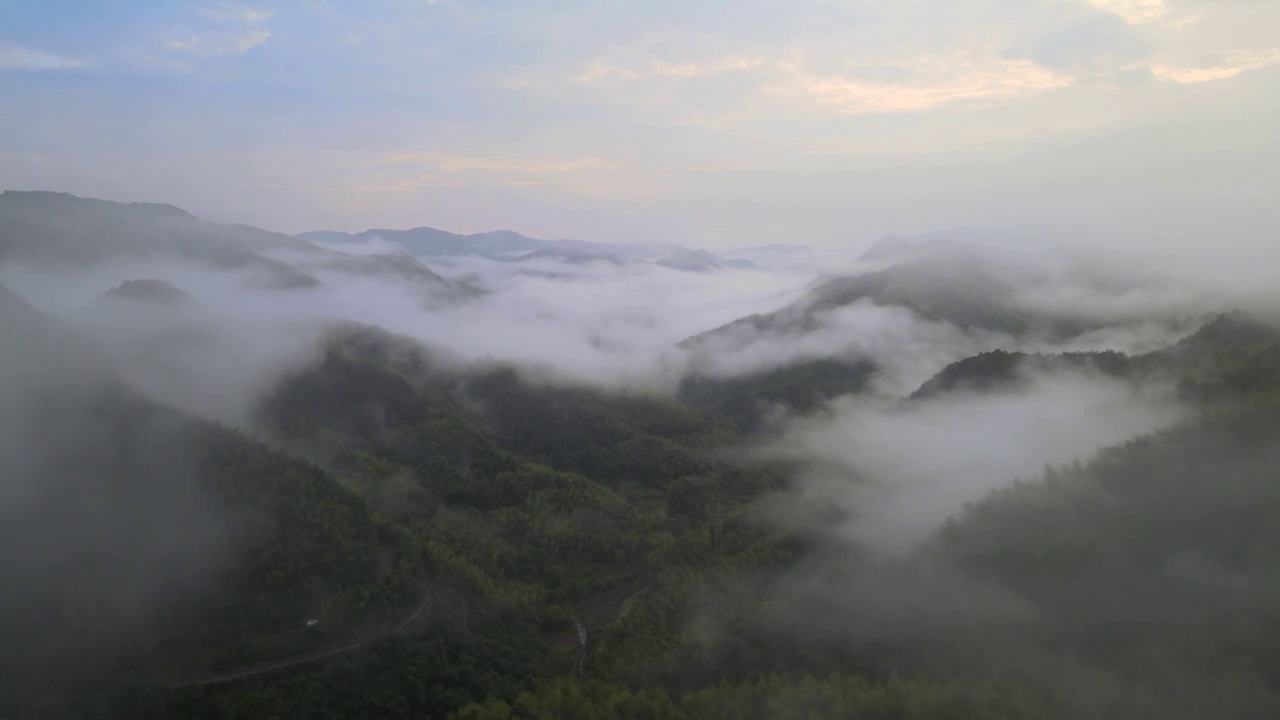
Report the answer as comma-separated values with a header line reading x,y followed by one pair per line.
x,y
375,244
1141,122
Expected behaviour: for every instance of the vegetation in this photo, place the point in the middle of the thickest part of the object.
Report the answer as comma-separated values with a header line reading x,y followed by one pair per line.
x,y
969,288
744,401
478,542
766,698
1002,369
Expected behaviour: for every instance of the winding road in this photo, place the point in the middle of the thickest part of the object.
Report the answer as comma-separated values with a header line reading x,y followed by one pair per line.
x,y
426,597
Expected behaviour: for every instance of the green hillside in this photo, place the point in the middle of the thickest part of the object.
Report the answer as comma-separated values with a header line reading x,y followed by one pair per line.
x,y
399,533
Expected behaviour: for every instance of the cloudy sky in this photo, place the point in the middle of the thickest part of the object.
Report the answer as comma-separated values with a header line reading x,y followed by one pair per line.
x,y
719,123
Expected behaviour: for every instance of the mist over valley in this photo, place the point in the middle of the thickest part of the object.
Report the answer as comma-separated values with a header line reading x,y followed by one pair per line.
x,y
908,453
745,360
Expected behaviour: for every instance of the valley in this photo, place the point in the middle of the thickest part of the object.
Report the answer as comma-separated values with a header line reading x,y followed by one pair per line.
x,y
903,490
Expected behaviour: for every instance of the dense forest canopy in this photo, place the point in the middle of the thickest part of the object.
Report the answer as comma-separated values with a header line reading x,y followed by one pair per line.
x,y
911,491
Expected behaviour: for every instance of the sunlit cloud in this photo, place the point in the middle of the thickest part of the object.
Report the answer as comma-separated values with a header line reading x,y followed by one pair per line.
x,y
786,79
1234,64
598,71
850,95
1135,12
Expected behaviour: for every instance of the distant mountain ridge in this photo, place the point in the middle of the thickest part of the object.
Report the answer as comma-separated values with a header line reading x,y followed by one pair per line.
x,y
511,246
967,287
430,242
154,292
51,229
894,247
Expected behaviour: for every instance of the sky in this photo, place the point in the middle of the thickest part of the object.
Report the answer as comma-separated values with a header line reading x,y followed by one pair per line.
x,y
718,124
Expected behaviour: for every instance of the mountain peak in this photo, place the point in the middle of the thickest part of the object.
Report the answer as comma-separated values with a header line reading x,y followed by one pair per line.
x,y
896,247
152,291
61,201
690,260
892,247
1231,328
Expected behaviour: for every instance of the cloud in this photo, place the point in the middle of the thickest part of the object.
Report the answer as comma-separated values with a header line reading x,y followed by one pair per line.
x,y
407,171
601,70
850,95
784,76
900,473
253,38
232,13
190,42
372,246
907,349
1135,12
598,70
16,57
230,29
525,165
803,122
592,323
768,82
1097,46
1233,64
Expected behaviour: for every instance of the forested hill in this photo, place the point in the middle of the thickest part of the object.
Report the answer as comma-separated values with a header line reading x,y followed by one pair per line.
x,y
969,288
46,229
483,540
1126,587
746,400
139,537
49,231
199,551
1234,354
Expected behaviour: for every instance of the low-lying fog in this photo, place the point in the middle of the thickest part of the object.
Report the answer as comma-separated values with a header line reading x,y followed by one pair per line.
x,y
617,324
898,473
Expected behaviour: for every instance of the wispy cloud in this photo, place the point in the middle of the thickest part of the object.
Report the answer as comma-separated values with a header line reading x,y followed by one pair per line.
x,y
405,185
786,81
250,39
410,171
16,57
601,70
1135,12
527,165
189,42
238,14
716,82
229,29
1232,65
850,95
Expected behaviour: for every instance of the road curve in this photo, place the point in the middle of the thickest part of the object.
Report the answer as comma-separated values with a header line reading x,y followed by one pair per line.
x,y
426,597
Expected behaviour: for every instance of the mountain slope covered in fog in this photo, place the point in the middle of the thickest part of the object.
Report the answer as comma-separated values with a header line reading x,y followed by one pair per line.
x,y
56,229
432,242
134,531
969,288
1230,355
511,246
48,230
1004,485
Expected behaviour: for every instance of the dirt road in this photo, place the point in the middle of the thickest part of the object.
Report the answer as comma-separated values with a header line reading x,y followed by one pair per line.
x,y
371,637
